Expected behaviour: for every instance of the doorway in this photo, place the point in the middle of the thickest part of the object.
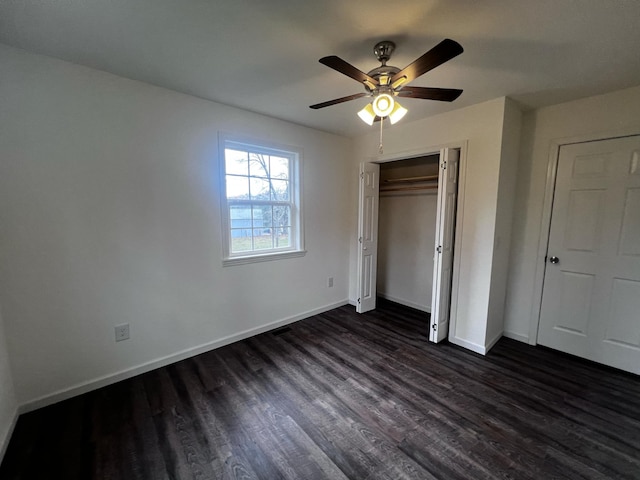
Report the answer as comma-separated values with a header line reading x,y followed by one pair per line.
x,y
591,286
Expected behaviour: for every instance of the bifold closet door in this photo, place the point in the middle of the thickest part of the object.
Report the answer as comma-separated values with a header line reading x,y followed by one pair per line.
x,y
443,254
368,236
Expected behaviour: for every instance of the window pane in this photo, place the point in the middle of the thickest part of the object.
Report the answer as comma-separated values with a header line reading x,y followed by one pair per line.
x,y
262,216
282,237
261,240
280,168
280,190
237,187
236,162
281,217
258,165
259,189
240,216
241,240
268,215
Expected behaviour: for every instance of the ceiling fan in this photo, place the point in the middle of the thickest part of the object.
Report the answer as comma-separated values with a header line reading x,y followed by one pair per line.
x,y
386,82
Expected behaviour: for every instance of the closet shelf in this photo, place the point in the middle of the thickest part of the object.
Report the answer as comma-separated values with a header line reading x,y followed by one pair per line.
x,y
403,188
424,178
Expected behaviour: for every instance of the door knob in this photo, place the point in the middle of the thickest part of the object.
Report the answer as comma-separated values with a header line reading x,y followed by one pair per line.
x,y
554,259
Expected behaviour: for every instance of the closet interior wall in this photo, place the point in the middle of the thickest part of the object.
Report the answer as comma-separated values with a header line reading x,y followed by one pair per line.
x,y
406,230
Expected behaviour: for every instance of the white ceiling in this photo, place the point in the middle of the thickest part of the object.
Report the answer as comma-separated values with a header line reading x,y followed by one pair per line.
x,y
262,55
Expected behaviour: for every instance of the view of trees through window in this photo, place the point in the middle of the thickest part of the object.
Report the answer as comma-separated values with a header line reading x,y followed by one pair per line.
x,y
258,188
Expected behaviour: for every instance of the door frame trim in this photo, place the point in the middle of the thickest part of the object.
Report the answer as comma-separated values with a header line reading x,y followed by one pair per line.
x,y
547,207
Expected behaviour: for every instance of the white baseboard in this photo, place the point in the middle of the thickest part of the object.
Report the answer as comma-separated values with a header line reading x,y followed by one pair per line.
x,y
109,379
4,441
407,303
517,336
474,347
493,341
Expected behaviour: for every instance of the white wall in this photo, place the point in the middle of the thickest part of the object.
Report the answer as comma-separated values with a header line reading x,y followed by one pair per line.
x,y
8,403
481,126
511,131
406,236
601,116
110,212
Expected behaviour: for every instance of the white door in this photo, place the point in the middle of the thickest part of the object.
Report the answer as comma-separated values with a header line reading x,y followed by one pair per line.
x,y
591,294
368,236
443,255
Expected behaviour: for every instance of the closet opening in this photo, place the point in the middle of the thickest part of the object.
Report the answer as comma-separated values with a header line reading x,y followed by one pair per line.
x,y
407,233
406,230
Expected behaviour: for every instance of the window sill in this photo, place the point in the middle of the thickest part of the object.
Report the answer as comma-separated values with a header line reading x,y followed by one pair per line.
x,y
267,257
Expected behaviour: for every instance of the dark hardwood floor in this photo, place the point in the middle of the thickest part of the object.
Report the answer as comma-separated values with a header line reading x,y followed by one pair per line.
x,y
342,395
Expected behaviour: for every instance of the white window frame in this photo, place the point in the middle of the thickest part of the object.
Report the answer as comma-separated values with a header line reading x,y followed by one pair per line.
x,y
294,154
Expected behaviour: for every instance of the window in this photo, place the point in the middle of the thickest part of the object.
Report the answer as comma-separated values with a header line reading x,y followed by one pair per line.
x,y
261,202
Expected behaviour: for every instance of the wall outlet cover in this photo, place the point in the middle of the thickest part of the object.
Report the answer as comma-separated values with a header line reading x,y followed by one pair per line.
x,y
122,332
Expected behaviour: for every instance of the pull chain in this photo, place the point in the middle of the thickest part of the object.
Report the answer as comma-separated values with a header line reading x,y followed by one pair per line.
x,y
380,149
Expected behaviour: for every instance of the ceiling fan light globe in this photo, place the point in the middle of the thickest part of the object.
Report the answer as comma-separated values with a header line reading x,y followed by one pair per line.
x,y
367,114
383,105
398,112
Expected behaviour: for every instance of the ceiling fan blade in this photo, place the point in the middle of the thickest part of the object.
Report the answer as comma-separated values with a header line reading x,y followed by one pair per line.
x,y
349,70
441,94
441,53
338,100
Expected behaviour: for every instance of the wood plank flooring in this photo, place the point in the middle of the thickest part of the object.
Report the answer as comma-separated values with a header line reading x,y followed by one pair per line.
x,y
344,396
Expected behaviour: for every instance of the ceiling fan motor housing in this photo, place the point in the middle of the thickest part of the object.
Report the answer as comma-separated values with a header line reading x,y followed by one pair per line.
x,y
383,73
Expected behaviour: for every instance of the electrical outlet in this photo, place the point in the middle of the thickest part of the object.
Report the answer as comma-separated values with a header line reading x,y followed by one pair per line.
x,y
330,282
122,332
